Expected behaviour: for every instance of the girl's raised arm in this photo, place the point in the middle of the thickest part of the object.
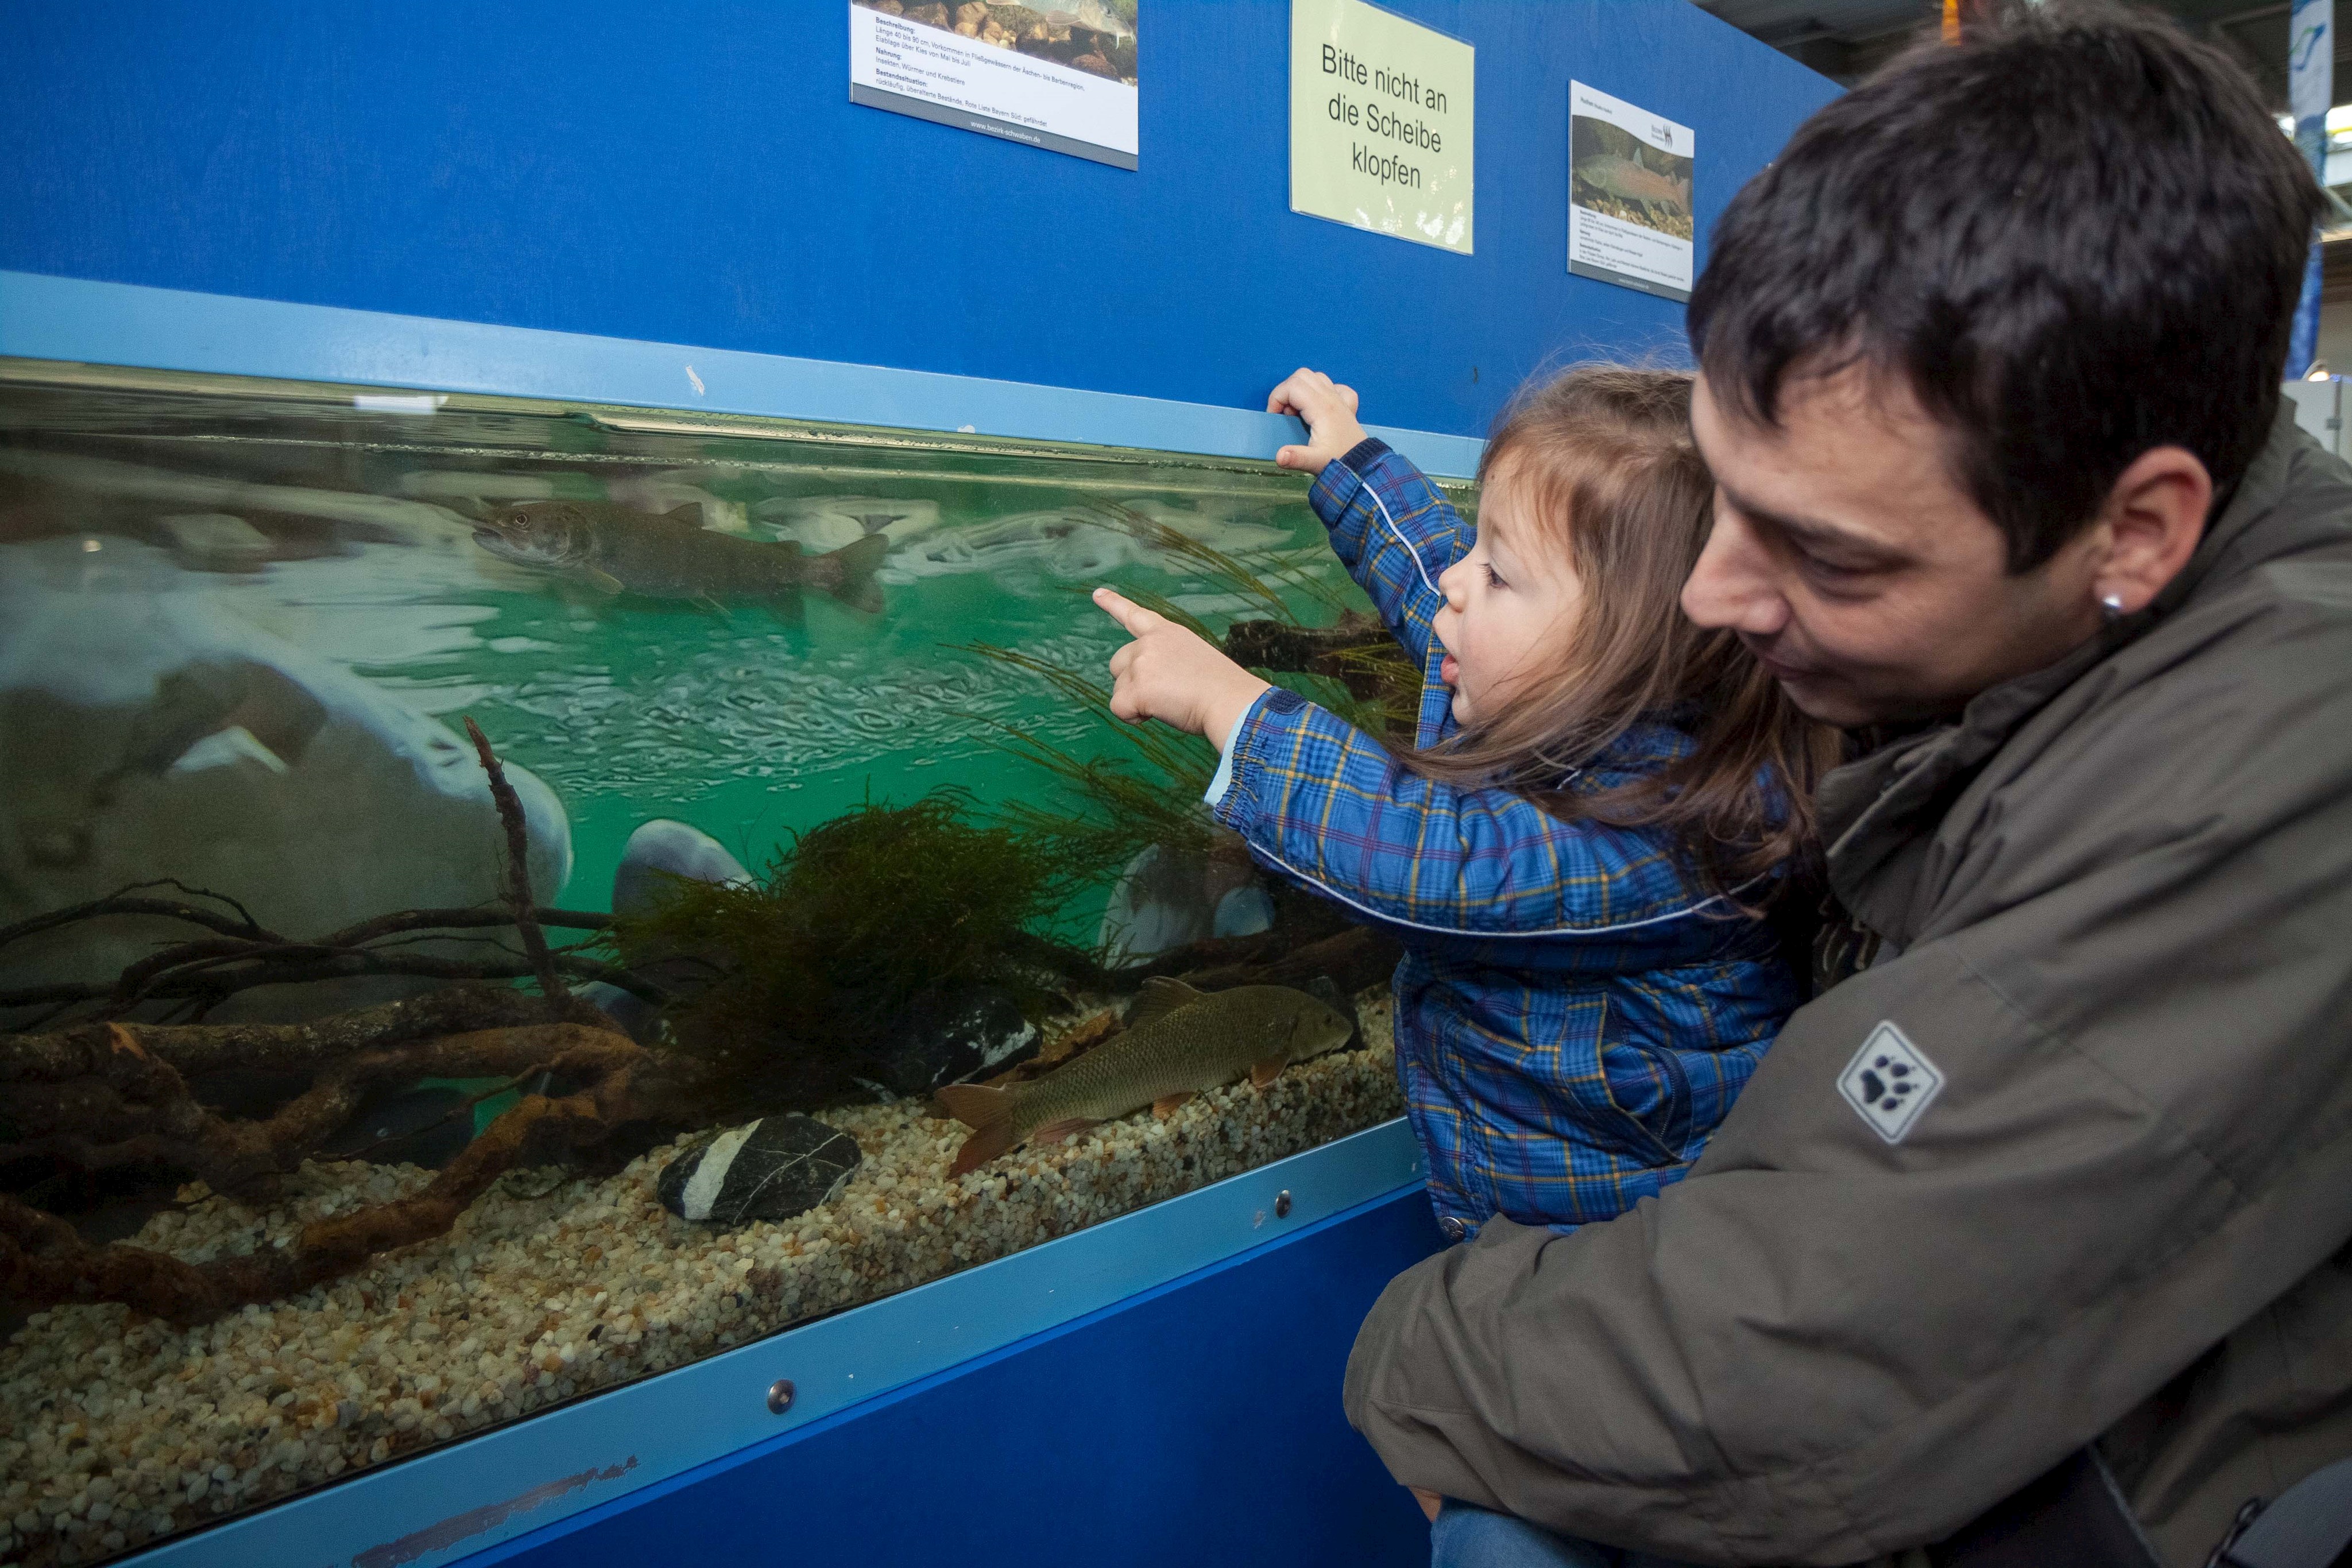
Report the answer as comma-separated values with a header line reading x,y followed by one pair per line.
x,y
1395,532
1391,529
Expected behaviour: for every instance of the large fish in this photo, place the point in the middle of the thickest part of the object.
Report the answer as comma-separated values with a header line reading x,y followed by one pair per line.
x,y
669,557
1177,1042
1629,180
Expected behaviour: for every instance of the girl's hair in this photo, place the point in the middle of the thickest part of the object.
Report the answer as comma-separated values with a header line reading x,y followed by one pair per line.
x,y
1602,458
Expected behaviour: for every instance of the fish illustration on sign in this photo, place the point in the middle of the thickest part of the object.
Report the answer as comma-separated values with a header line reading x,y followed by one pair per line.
x,y
1636,185
1177,1042
670,557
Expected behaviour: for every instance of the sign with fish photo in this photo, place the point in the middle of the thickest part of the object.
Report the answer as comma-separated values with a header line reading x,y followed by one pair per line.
x,y
1630,219
1060,78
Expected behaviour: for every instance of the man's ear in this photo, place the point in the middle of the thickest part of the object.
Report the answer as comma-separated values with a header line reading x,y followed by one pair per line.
x,y
2151,524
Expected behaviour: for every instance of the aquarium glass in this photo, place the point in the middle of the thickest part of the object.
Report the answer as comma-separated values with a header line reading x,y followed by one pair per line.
x,y
313,1155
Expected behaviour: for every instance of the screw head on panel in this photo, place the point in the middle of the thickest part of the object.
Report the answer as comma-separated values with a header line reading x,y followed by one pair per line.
x,y
780,1396
1282,1204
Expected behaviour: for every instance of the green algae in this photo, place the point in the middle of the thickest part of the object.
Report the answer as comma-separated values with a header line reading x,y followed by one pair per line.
x,y
789,981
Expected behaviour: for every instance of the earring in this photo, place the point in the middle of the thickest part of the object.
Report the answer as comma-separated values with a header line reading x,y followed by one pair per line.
x,y
2111,608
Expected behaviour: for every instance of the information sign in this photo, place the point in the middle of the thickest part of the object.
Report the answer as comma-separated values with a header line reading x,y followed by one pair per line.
x,y
1381,116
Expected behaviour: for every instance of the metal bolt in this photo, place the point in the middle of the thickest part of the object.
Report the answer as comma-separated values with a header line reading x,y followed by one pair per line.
x,y
780,1396
1282,1204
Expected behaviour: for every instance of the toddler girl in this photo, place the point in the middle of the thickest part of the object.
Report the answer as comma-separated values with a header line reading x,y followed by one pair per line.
x,y
1601,800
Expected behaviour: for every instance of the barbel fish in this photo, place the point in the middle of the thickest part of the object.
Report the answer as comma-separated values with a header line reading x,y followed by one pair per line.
x,y
1629,180
1177,1042
669,557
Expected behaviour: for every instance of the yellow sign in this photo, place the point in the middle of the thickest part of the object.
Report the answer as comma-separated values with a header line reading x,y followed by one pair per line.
x,y
1382,112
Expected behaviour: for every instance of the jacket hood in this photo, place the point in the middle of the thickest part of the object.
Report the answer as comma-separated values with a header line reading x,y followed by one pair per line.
x,y
2292,501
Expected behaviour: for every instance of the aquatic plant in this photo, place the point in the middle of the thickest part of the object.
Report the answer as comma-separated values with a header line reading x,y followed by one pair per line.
x,y
1149,796
805,968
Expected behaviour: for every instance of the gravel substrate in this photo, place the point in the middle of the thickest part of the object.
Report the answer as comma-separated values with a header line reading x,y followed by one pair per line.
x,y
115,1432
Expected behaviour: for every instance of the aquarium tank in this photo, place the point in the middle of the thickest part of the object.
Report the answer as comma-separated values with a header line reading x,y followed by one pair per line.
x,y
499,898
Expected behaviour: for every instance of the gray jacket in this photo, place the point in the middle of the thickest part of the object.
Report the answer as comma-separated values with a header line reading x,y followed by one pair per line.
x,y
2115,1198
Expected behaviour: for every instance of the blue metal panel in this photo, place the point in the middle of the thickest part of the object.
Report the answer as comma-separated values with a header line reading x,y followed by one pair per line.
x,y
1199,1423
693,172
447,1501
158,328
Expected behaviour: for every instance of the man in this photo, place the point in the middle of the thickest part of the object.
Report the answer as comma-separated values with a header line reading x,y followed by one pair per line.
x,y
2054,1179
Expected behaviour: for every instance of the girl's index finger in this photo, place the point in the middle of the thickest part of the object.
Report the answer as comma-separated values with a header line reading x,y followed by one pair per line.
x,y
1126,611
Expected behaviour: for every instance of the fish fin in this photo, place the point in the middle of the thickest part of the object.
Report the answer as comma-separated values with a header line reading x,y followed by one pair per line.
x,y
1159,996
1169,1104
1055,1132
605,582
975,1105
983,1147
690,515
856,586
1264,1072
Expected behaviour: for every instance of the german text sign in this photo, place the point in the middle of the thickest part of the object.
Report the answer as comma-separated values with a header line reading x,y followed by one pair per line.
x,y
1381,116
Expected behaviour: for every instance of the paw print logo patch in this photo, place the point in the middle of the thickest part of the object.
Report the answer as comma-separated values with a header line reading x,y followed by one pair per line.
x,y
1890,1080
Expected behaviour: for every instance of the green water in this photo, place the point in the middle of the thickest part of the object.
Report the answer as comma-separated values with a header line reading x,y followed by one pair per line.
x,y
743,720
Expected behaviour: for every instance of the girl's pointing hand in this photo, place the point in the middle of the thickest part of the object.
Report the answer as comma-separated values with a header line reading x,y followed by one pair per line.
x,y
1173,676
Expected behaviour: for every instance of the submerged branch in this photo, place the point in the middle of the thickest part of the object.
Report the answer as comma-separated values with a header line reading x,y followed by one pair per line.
x,y
45,1262
518,866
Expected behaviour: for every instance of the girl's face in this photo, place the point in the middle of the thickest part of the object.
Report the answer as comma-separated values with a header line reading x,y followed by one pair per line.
x,y
1509,604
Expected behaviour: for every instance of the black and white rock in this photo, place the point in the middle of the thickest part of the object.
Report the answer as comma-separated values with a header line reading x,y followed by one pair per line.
x,y
949,1039
774,1168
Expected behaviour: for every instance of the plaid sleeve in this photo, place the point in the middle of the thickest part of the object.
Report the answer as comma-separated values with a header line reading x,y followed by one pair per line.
x,y
1483,872
1394,531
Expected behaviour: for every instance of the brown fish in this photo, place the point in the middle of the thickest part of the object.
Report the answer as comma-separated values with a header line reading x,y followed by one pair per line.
x,y
1177,1042
672,556
1630,181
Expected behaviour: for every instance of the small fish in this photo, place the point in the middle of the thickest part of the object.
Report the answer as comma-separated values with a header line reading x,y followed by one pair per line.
x,y
1177,1042
669,557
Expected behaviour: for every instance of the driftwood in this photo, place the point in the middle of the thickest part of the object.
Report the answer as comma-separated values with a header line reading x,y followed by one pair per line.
x,y
1321,650
107,1093
45,1262
241,956
518,867
1354,958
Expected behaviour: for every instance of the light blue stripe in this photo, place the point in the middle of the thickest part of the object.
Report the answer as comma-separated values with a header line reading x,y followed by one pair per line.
x,y
44,318
1223,779
661,1427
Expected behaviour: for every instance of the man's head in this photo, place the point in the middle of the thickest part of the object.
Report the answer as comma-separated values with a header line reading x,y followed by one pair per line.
x,y
1978,350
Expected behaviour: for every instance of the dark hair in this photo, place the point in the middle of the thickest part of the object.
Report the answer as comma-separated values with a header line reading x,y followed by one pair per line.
x,y
2078,237
1602,459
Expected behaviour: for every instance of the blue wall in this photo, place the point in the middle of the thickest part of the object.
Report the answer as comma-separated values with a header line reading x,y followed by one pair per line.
x,y
693,172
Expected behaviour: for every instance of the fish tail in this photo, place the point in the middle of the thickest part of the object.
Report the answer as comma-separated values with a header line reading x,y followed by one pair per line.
x,y
849,576
989,1113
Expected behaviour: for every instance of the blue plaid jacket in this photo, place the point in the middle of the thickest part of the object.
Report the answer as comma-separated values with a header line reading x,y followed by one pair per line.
x,y
1574,1013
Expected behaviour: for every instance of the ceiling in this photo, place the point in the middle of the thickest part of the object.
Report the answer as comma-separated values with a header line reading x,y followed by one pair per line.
x,y
1847,38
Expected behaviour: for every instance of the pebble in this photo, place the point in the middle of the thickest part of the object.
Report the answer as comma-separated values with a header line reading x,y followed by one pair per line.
x,y
545,1290
774,1168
